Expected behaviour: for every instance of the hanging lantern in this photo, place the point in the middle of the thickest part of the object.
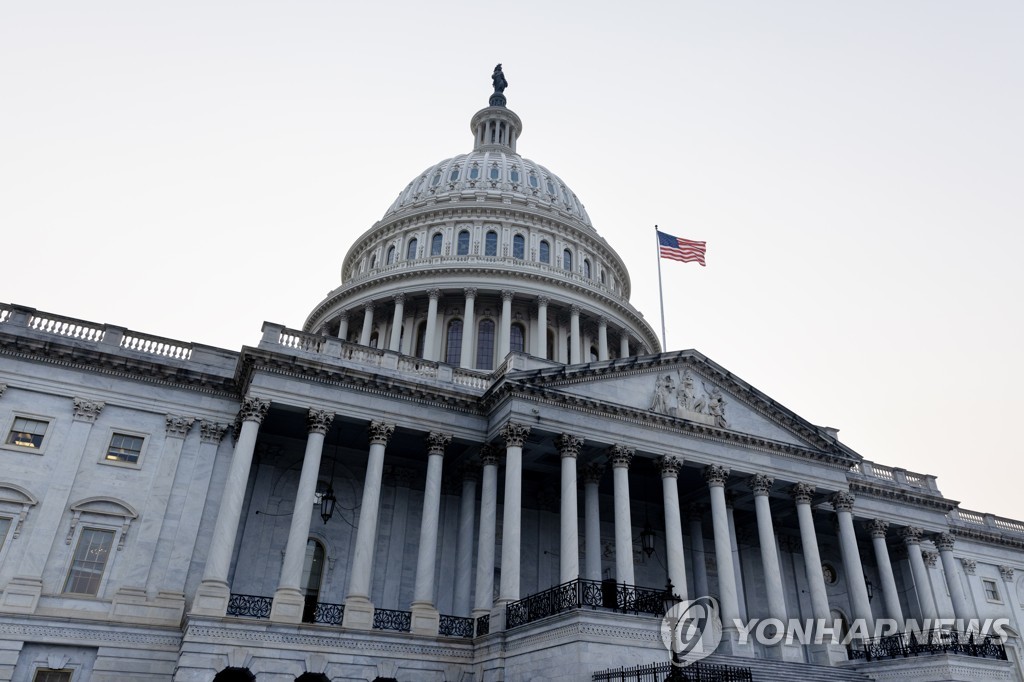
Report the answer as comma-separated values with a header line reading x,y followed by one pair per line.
x,y
327,502
647,539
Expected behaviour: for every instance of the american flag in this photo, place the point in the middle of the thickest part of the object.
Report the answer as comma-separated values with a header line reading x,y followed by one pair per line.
x,y
685,250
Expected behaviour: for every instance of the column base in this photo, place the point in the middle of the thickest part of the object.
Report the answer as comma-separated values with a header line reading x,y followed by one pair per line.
x,y
211,599
790,653
358,613
21,595
426,620
133,605
498,611
827,654
731,645
288,606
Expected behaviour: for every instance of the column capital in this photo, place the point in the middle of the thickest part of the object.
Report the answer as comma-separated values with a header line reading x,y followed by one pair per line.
x,y
802,493
878,528
970,566
670,466
380,432
911,535
944,541
399,298
602,321
507,294
343,315
574,309
621,456
716,475
930,558
695,511
369,306
842,501
490,456
569,445
514,434
543,300
436,442
1006,572
253,409
470,471
433,294
592,472
177,426
212,432
760,484
87,410
3,389
319,421
469,292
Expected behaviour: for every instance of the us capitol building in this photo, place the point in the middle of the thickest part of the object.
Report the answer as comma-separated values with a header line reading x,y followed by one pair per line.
x,y
473,462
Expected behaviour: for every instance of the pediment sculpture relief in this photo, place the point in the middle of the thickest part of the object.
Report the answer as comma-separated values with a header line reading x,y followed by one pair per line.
x,y
677,396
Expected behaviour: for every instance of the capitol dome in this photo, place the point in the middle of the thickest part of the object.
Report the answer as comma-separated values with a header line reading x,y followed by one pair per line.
x,y
483,254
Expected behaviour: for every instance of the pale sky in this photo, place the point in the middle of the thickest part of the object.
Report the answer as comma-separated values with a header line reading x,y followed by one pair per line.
x,y
191,169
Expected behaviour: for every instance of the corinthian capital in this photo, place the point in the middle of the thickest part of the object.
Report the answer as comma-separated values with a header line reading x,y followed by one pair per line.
x,y
592,473
574,309
212,432
437,441
399,298
715,475
470,293
670,466
380,432
543,301
434,294
842,501
319,421
944,541
930,558
178,427
3,389
970,566
87,410
253,409
760,484
1007,573
911,535
569,445
802,493
490,456
621,456
514,434
507,294
878,528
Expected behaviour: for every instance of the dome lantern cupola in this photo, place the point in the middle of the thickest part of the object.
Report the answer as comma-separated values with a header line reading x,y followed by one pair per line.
x,y
496,127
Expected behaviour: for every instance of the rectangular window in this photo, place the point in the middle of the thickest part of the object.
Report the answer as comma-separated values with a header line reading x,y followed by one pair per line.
x,y
124,448
991,591
52,676
89,562
27,433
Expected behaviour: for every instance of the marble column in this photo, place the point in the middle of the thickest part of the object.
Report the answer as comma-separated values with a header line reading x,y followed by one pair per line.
x,y
505,333
621,457
700,566
464,548
890,595
624,344
842,502
569,552
396,323
358,607
514,434
367,331
602,338
213,594
961,608
911,536
542,327
574,333
488,523
670,466
716,475
430,339
468,330
761,486
737,568
425,617
803,495
289,600
343,325
592,532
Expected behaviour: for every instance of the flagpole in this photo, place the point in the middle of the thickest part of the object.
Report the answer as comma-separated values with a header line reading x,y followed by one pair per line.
x,y
661,297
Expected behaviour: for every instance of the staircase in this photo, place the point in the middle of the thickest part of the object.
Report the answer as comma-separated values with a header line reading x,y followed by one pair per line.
x,y
766,670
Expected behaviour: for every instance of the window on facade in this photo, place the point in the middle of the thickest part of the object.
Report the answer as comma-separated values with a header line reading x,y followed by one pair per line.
x,y
603,281
513,175
410,253
463,243
89,561
491,244
485,345
124,448
593,354
27,433
454,176
567,260
312,575
436,242
373,261
517,339
545,251
53,675
453,354
991,590
474,173
586,268
518,247
421,337
495,173
550,188
391,256
437,179
534,182
374,340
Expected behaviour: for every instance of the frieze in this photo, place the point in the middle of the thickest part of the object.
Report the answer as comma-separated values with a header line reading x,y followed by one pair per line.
x,y
678,397
917,496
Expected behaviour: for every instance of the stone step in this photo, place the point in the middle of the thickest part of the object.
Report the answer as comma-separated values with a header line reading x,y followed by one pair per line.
x,y
765,670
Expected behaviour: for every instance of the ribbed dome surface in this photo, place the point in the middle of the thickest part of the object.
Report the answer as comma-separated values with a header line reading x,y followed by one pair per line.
x,y
499,176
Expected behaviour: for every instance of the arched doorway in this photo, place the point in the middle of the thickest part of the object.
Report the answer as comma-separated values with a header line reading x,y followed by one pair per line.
x,y
234,675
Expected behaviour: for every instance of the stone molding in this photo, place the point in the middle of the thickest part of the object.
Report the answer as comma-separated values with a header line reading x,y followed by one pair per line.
x,y
802,493
436,442
715,475
178,427
911,535
64,634
944,541
842,501
253,409
621,456
514,434
319,421
878,528
87,410
380,432
569,445
669,465
490,456
760,484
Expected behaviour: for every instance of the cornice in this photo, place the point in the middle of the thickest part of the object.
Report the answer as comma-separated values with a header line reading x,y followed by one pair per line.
x,y
917,496
987,536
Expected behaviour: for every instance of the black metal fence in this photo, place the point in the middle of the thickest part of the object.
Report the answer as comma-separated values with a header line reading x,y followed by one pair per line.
x,y
249,606
388,619
328,614
929,642
581,593
483,625
658,672
455,626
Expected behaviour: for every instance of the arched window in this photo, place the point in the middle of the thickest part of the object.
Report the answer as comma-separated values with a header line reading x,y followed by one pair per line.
x,y
485,345
593,354
491,244
586,268
517,340
312,576
373,261
603,281
454,352
436,242
421,337
391,256
518,247
567,260
545,251
463,244
410,253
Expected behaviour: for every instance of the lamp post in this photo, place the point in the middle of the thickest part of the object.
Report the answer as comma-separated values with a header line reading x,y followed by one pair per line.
x,y
669,600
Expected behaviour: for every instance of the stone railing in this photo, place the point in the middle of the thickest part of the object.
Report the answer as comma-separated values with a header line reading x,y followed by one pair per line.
x,y
997,524
895,475
155,345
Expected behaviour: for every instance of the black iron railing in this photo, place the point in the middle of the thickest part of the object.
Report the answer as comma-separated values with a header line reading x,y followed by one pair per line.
x,y
658,672
388,619
328,614
929,642
483,625
249,606
455,626
581,593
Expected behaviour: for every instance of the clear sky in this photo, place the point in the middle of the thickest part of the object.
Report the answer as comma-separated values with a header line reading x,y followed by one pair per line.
x,y
191,169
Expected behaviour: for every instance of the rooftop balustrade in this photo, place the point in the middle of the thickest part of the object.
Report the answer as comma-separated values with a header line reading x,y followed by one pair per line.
x,y
895,475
